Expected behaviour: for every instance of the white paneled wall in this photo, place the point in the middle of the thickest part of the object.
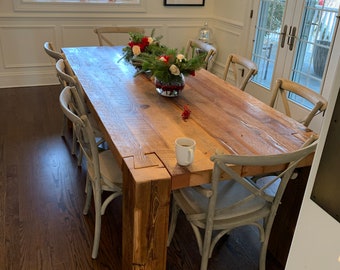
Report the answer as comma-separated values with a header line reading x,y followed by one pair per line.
x,y
23,61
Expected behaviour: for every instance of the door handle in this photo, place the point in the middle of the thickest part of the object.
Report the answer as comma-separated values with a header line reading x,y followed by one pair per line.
x,y
291,38
283,36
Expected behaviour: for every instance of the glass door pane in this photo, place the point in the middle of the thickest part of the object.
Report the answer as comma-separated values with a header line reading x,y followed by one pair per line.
x,y
267,38
313,43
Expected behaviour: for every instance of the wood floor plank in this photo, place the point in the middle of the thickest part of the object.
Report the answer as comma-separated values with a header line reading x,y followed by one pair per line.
x,y
42,196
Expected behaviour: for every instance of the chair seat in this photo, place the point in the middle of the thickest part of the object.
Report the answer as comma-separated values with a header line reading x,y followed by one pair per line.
x,y
229,206
109,170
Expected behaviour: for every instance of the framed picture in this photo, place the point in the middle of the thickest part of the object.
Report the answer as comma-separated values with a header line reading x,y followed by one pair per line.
x,y
184,2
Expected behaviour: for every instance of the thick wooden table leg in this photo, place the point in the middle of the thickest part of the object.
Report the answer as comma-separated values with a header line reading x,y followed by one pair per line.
x,y
146,200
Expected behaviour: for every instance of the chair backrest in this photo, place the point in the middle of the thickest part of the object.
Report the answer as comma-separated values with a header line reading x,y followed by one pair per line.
x,y
69,102
290,160
52,52
195,46
242,70
283,87
257,203
66,74
55,55
103,32
223,164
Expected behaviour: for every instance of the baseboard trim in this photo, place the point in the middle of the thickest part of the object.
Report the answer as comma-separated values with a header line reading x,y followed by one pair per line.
x,y
24,79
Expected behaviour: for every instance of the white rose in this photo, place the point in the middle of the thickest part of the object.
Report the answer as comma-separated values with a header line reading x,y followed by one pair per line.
x,y
174,70
150,40
180,57
136,50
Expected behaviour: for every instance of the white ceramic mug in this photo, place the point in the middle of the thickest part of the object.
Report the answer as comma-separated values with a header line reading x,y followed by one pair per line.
x,y
185,150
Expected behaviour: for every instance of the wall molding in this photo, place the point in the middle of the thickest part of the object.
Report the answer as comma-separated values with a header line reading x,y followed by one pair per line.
x,y
31,6
34,68
231,23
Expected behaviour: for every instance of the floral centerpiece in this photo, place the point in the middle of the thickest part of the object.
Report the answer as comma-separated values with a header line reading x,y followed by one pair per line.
x,y
167,66
169,69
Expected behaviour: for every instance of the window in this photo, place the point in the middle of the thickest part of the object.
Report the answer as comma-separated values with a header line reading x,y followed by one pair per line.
x,y
80,5
84,1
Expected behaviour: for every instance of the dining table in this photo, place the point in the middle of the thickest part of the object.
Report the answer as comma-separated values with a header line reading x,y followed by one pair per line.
x,y
141,126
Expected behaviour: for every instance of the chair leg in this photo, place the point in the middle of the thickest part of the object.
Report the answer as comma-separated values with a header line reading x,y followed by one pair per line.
x,y
205,256
108,200
80,158
63,130
174,213
215,240
88,191
206,246
263,254
74,142
97,229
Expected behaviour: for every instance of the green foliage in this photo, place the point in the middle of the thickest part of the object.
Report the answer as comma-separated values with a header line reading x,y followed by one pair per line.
x,y
275,11
167,65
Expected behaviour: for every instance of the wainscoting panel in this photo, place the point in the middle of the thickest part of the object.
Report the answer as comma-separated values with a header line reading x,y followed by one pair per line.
x,y
78,35
19,45
227,39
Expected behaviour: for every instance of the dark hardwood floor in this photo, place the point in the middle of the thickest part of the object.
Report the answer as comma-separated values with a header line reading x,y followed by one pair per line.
x,y
42,195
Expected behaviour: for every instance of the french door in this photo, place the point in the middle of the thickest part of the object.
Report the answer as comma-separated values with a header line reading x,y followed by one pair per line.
x,y
293,39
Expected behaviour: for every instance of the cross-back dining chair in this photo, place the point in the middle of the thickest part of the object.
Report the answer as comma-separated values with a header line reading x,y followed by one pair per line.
x,y
242,70
56,55
65,72
195,46
281,91
224,205
103,33
103,171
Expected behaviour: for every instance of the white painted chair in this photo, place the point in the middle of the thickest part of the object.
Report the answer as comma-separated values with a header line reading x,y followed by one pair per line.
x,y
55,55
224,205
195,46
66,74
103,171
103,33
282,89
242,70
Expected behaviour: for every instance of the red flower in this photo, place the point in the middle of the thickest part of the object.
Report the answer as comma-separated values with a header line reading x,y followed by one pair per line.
x,y
145,40
164,58
142,45
186,112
